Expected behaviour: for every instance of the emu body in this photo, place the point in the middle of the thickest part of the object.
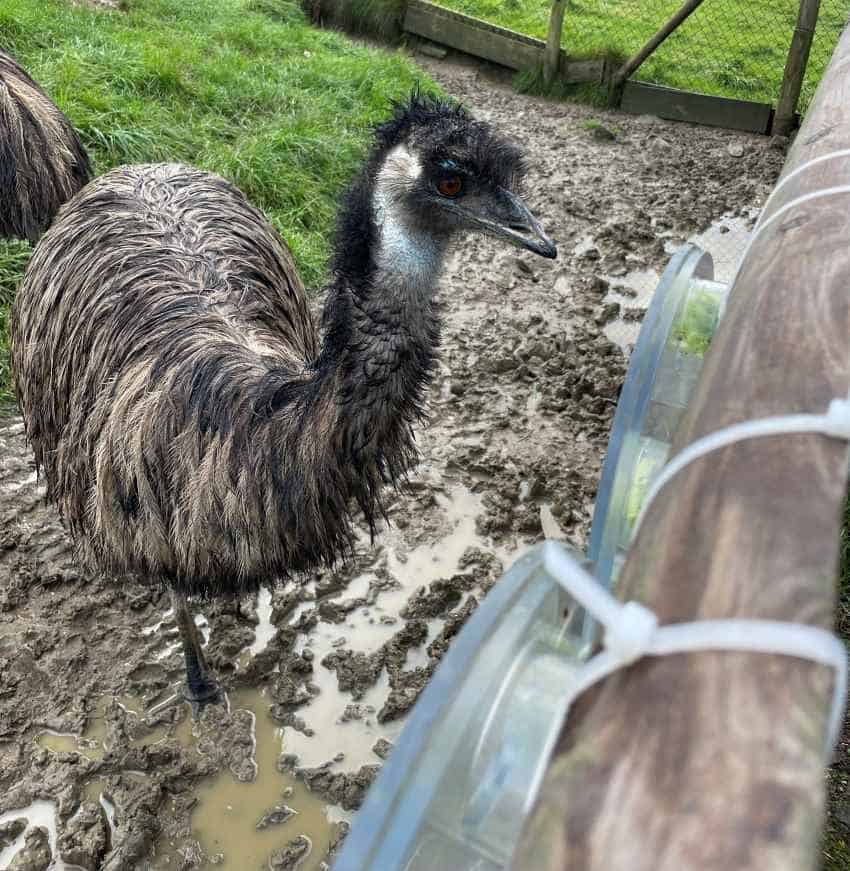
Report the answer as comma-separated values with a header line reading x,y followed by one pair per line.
x,y
42,162
192,427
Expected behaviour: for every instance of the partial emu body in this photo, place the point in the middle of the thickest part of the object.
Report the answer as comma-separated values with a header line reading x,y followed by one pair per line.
x,y
192,427
42,162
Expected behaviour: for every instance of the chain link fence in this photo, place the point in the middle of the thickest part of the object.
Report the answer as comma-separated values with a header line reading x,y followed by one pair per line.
x,y
726,48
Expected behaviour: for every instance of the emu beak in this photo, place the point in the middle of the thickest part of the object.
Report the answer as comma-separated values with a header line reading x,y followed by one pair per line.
x,y
512,220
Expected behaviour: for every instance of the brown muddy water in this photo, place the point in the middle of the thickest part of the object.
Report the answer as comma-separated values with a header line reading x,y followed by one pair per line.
x,y
320,674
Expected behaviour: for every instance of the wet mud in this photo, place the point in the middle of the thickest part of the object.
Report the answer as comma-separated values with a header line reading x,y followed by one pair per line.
x,y
320,674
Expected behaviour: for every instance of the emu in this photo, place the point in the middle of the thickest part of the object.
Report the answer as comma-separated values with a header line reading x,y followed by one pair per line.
x,y
42,161
191,426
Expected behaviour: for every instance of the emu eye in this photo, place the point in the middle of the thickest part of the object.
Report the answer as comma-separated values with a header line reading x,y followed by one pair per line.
x,y
450,186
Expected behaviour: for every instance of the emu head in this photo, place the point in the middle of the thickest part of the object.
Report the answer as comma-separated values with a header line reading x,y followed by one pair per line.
x,y
442,172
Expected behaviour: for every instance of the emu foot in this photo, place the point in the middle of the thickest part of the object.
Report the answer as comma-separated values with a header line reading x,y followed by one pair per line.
x,y
208,692
200,693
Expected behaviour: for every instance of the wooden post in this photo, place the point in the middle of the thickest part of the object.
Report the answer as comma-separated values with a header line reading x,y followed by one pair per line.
x,y
632,65
795,66
552,53
714,761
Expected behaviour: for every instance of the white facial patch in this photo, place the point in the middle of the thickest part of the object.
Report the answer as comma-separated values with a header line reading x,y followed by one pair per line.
x,y
399,167
408,256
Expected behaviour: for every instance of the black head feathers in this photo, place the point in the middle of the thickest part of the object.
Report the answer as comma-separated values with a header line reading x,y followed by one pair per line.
x,y
439,134
439,130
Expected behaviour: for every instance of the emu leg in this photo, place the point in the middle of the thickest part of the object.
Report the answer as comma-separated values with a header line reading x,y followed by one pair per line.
x,y
201,688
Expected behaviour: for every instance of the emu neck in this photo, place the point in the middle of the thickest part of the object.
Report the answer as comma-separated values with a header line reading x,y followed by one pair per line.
x,y
393,336
408,256
384,325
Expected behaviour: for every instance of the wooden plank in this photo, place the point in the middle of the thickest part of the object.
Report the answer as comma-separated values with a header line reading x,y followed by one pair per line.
x,y
795,66
645,99
582,70
470,35
490,42
714,760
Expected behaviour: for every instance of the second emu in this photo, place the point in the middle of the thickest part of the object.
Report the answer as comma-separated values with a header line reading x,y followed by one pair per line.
x,y
191,425
42,162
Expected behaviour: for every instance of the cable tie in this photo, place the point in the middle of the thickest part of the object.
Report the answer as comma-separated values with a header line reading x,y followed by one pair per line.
x,y
837,419
632,632
834,423
631,636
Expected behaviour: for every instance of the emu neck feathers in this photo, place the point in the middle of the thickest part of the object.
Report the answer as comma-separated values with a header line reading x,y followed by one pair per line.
x,y
408,255
382,322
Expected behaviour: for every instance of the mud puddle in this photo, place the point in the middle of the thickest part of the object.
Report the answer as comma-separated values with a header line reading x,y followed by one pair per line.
x,y
375,604
241,824
38,815
725,239
265,629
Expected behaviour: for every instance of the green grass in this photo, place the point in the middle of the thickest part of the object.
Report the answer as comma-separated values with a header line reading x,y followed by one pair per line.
x,y
843,621
13,258
245,88
379,18
727,48
531,82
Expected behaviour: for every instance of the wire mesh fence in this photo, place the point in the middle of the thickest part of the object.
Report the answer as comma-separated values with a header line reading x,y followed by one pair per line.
x,y
726,48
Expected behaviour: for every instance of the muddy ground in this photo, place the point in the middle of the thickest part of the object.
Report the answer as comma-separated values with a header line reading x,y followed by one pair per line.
x,y
322,673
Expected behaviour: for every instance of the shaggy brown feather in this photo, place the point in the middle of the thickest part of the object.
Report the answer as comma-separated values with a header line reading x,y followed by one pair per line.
x,y
167,368
42,162
190,425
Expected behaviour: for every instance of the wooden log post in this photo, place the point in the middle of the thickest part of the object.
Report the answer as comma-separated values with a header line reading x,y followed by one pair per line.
x,y
552,52
632,65
714,761
795,66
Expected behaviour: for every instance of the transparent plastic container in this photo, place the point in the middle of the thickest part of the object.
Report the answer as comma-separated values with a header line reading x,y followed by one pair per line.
x,y
458,786
662,376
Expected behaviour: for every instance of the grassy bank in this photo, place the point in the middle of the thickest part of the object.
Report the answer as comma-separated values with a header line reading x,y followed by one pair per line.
x,y
725,48
246,88
381,19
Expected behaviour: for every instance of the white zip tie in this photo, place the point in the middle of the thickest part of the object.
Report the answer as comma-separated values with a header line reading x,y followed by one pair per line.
x,y
762,226
843,152
632,632
835,423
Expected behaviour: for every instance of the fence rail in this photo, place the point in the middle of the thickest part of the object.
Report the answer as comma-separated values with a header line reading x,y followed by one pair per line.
x,y
491,42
